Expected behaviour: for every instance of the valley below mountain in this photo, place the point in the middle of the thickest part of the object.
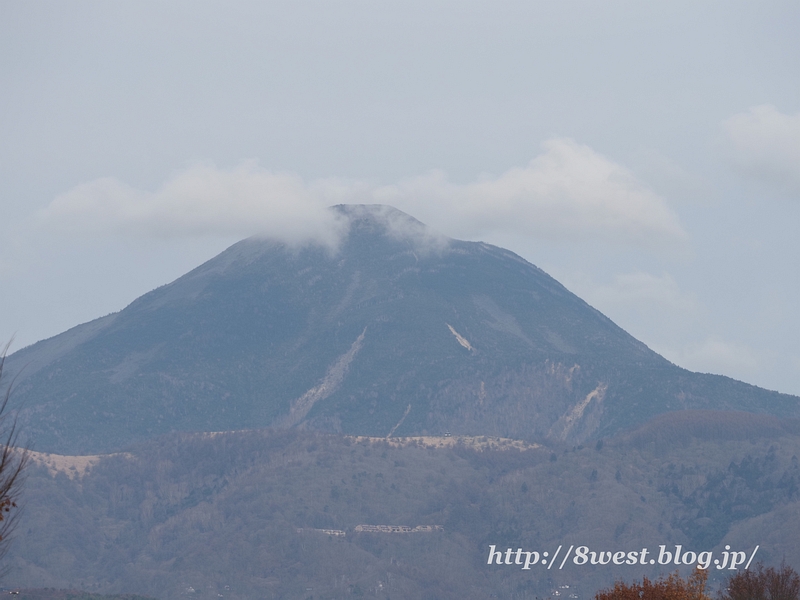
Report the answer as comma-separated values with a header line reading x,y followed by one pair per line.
x,y
293,514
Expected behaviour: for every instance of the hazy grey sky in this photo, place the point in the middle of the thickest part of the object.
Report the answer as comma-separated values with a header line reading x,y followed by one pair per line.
x,y
646,154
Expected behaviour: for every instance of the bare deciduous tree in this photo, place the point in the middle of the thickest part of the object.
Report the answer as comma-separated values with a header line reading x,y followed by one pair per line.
x,y
763,583
12,463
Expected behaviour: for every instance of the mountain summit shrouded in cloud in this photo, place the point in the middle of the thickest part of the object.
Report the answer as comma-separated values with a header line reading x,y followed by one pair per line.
x,y
634,152
398,330
568,191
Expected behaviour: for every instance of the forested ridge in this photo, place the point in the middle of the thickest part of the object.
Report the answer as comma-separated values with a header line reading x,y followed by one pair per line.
x,y
234,514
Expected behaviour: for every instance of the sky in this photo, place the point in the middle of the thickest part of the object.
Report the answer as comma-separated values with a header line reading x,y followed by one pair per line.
x,y
645,154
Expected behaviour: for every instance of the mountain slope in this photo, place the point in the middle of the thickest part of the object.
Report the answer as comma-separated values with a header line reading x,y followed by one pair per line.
x,y
261,514
399,330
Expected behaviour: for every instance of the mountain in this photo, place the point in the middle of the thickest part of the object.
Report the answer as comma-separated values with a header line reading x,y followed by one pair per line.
x,y
281,513
397,331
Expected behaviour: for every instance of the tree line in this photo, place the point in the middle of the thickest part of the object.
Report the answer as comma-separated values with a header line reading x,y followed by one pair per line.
x,y
760,583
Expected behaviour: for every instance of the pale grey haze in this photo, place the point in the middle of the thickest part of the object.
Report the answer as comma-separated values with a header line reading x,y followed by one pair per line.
x,y
646,154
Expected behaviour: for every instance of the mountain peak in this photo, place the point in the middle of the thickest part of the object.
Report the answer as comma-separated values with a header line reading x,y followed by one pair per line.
x,y
399,331
374,213
385,220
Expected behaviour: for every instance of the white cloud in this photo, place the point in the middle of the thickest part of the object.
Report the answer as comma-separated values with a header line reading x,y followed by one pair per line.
x,y
201,200
569,191
766,143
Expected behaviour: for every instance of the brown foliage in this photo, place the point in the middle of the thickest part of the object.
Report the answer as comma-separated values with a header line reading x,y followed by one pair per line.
x,y
673,587
763,583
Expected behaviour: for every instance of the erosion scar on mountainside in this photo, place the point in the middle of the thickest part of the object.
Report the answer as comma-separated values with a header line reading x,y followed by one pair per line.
x,y
460,338
564,426
329,384
400,422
